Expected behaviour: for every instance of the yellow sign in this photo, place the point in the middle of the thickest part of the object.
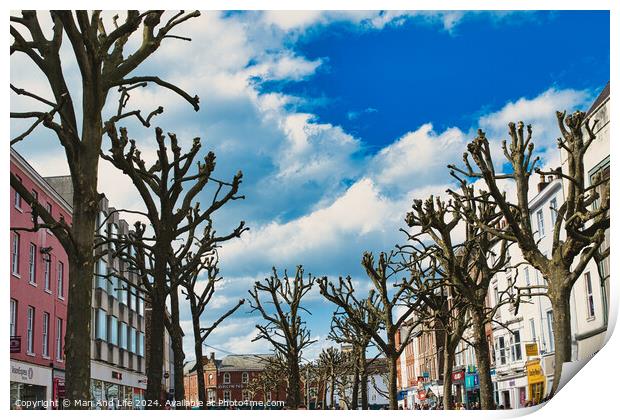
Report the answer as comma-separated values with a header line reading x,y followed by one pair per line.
x,y
534,372
531,349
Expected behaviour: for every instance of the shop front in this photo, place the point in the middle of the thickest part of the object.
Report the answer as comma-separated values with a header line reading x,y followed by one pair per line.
x,y
535,381
58,388
116,389
30,386
472,387
458,383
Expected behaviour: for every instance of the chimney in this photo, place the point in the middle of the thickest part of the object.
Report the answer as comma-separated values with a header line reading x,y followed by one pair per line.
x,y
558,172
542,184
212,356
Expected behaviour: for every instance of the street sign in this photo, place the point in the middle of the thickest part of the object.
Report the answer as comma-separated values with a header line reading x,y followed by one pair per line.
x,y
531,349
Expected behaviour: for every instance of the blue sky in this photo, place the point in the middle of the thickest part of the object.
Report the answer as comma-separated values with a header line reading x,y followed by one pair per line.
x,y
339,120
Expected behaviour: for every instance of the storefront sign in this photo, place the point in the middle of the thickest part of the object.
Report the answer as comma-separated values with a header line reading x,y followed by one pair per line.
x,y
534,372
16,344
458,376
531,350
471,381
23,373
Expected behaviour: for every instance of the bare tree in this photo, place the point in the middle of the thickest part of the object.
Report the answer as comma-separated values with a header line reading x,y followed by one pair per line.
x,y
384,299
579,228
104,64
284,330
173,213
467,266
269,379
199,297
348,333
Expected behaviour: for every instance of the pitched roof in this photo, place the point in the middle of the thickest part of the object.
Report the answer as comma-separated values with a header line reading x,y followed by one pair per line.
x,y
600,99
245,361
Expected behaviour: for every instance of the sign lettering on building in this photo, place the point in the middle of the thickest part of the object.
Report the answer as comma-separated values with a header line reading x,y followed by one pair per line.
x,y
531,349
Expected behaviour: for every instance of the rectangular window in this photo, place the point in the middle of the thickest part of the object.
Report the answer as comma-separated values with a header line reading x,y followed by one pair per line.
x,y
131,339
17,199
140,350
13,317
47,268
32,264
122,337
553,207
589,295
550,330
61,281
533,329
112,330
46,331
541,223
502,350
516,346
496,295
48,207
526,274
30,332
101,324
59,339
15,254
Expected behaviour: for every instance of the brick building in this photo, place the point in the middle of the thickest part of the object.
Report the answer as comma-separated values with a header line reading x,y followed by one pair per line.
x,y
38,291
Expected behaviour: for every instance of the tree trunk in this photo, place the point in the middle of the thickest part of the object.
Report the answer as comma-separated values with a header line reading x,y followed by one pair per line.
x,y
176,336
332,385
483,360
448,361
364,382
155,351
79,296
560,303
293,392
392,360
356,384
200,375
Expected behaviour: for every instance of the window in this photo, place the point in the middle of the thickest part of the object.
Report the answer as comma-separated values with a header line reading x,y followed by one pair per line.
x,y
122,338
32,264
245,378
589,295
541,223
211,395
140,344
100,273
13,317
112,330
550,330
496,295
61,282
48,207
553,207
17,199
501,347
132,340
526,274
47,268
515,349
140,304
58,339
533,329
15,254
46,331
226,395
245,395
30,333
101,223
111,281
112,234
101,324
227,378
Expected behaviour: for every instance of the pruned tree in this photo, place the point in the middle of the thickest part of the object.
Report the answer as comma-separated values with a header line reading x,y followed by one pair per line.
x,y
170,194
104,64
388,294
348,333
466,265
331,361
189,270
269,379
579,227
285,330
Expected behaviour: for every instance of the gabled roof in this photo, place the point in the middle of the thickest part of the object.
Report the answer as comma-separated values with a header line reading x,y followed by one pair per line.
x,y
599,100
245,361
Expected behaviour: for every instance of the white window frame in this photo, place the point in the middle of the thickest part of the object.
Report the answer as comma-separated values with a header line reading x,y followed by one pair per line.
x,y
59,355
550,330
226,377
30,331
17,199
245,378
46,335
227,396
48,207
32,264
589,295
47,275
553,207
15,254
60,280
540,223
13,330
533,330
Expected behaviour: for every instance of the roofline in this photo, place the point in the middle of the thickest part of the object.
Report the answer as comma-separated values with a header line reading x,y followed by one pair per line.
x,y
549,189
26,167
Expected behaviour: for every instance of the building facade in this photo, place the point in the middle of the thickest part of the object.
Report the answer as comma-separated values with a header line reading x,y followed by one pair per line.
x,y
38,291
